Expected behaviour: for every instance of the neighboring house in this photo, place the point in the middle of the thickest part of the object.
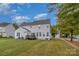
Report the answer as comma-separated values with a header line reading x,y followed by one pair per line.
x,y
6,30
40,28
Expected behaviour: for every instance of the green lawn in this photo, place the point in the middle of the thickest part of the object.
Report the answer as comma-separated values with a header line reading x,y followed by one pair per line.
x,y
35,47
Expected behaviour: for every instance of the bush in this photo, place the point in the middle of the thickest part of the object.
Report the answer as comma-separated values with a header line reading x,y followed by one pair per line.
x,y
0,36
5,37
10,37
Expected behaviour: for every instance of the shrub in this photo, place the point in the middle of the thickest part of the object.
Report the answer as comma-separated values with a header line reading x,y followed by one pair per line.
x,y
10,37
0,36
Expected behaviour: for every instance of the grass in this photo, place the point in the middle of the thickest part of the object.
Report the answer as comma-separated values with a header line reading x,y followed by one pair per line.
x,y
12,47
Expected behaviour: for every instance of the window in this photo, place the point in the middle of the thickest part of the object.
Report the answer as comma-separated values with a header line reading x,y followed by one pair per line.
x,y
47,26
18,34
33,33
43,35
39,33
47,33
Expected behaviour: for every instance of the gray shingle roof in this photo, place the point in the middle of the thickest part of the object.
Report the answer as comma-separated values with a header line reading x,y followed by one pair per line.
x,y
4,24
47,21
26,29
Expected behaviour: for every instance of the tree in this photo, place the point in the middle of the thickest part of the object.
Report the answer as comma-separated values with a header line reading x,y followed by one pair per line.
x,y
15,25
68,18
53,30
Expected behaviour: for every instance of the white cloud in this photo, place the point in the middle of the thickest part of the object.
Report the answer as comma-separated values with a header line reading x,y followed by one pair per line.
x,y
40,16
5,8
28,5
14,10
20,19
23,5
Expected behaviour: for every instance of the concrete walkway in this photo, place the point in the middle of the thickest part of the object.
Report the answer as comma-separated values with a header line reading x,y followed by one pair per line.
x,y
74,39
73,45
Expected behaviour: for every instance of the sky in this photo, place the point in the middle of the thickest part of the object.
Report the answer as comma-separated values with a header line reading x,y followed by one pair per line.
x,y
27,12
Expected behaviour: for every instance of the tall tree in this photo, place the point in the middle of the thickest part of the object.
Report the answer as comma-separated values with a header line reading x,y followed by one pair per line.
x,y
68,19
53,30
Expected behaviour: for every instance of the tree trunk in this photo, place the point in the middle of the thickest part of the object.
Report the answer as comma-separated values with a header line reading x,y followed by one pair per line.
x,y
71,35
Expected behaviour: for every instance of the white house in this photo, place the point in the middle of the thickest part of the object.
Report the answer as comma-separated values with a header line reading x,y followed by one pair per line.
x,y
40,28
22,33
7,30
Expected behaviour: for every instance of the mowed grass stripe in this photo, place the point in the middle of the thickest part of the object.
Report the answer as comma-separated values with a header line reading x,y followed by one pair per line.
x,y
16,47
35,48
51,48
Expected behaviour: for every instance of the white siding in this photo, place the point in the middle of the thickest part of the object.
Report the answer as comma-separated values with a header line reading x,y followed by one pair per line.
x,y
43,29
2,29
10,31
22,32
2,32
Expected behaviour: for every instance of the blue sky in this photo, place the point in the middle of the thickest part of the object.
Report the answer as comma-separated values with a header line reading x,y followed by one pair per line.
x,y
25,12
